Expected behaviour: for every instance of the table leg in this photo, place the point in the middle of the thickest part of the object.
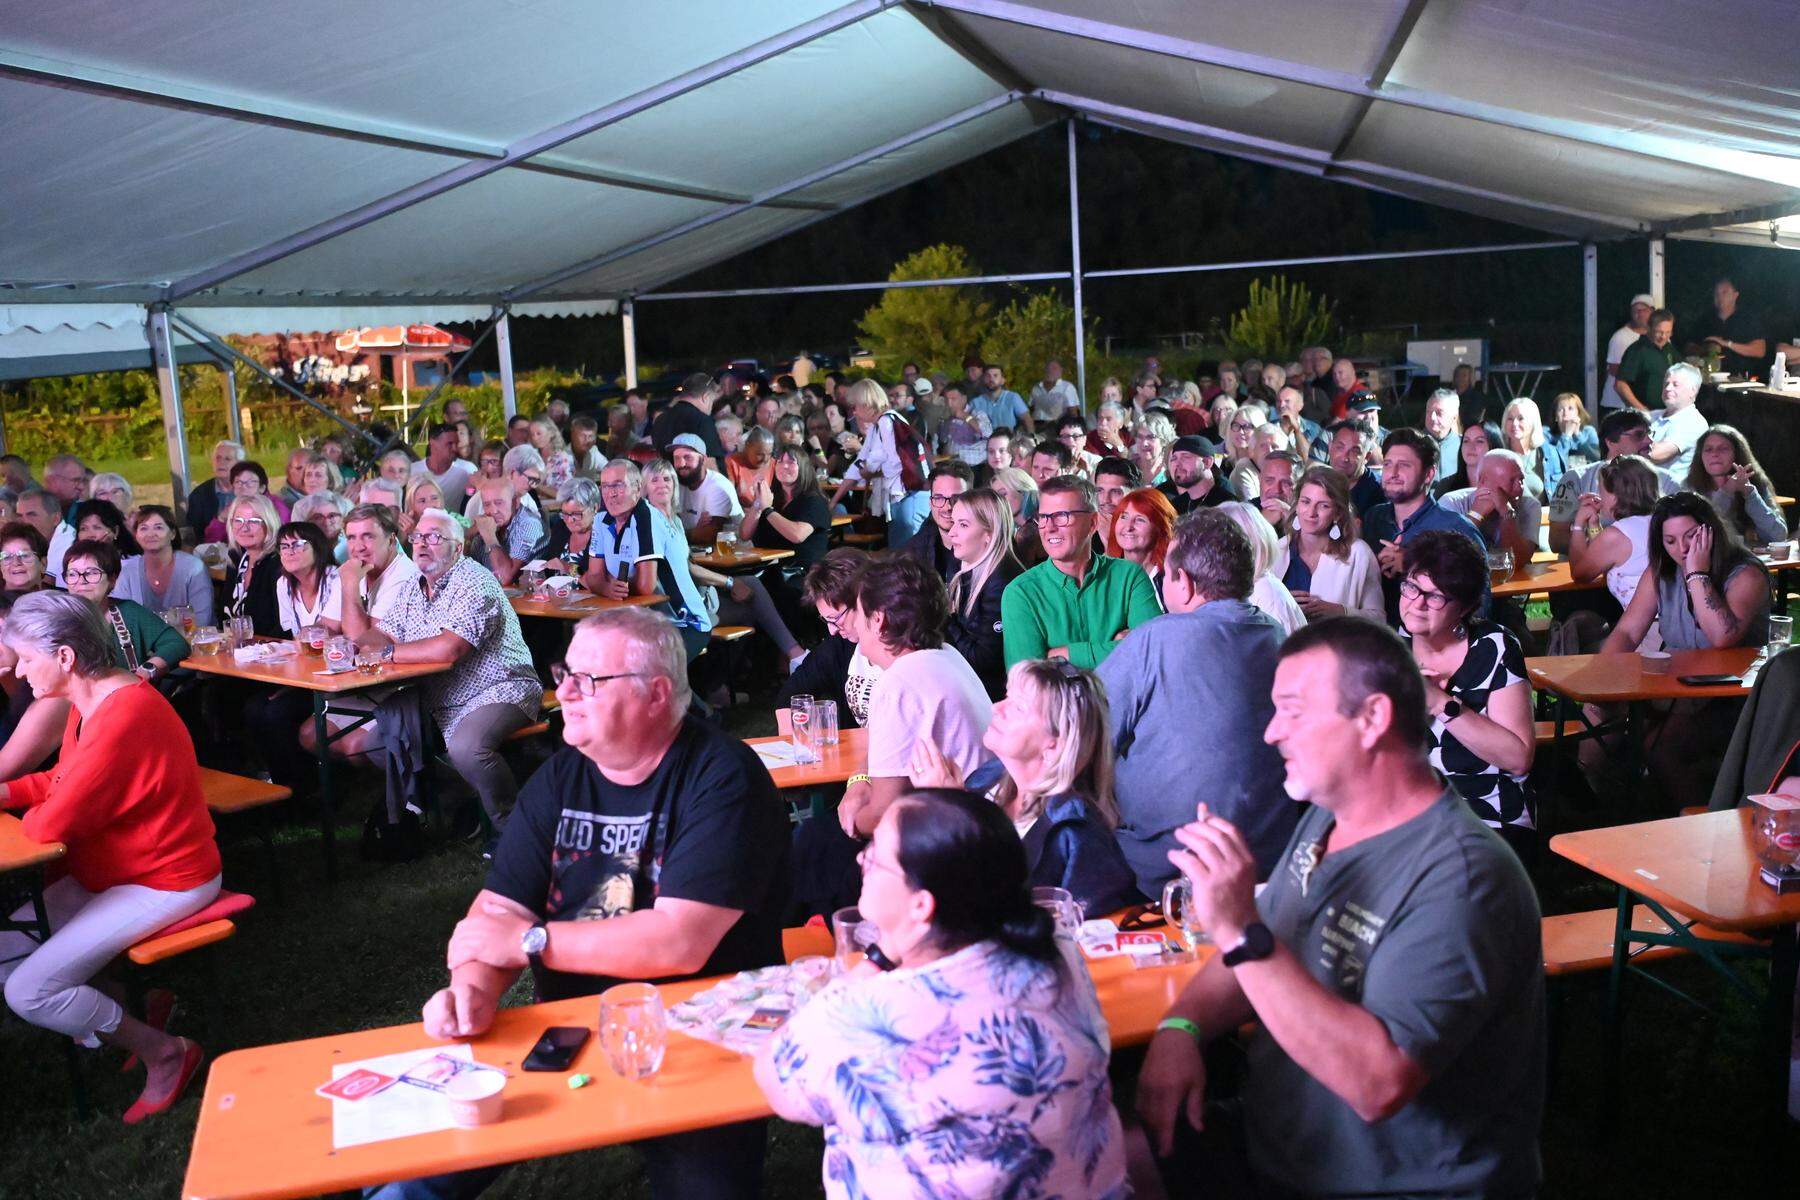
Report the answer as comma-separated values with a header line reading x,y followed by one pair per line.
x,y
1778,1026
1613,1047
327,809
1559,712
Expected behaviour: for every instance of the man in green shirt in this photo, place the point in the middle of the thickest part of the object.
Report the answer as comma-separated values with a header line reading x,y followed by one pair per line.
x,y
1076,604
1640,378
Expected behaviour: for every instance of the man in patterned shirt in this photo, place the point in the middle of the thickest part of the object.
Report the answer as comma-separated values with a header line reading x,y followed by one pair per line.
x,y
506,535
455,612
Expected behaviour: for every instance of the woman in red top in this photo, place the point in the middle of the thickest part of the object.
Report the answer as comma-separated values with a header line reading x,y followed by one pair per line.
x,y
125,799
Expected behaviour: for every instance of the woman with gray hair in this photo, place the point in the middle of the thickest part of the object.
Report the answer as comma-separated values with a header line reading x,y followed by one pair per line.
x,y
570,537
125,800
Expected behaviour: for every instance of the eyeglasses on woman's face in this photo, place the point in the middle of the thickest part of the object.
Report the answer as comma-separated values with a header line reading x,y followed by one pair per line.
x,y
292,546
247,522
84,575
18,556
1435,601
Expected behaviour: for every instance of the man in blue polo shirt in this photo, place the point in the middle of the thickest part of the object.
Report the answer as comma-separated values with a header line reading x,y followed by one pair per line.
x,y
1408,469
645,553
1003,408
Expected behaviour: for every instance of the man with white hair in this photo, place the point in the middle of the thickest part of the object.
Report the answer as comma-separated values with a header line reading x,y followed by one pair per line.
x,y
506,535
653,846
1443,421
524,468
1677,429
642,553
458,614
380,491
211,495
1053,396
1501,508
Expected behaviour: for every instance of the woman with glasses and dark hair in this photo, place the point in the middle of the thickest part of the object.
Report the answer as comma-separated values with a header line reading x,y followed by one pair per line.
x,y
165,576
307,591
101,521
248,479
1482,735
975,978
1052,775
252,568
22,553
143,642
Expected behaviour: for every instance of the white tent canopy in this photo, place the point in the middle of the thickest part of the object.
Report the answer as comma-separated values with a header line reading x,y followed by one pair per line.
x,y
570,152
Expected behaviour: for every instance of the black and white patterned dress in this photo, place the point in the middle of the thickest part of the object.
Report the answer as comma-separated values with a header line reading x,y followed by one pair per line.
x,y
1494,661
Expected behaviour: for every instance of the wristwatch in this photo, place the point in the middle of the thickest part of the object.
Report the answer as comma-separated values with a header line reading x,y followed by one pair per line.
x,y
533,941
1256,944
1453,708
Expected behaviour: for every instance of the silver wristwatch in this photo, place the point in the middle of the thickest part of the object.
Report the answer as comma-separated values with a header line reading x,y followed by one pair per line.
x,y
533,941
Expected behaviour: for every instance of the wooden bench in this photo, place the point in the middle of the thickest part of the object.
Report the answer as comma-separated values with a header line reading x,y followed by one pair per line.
x,y
1576,943
731,633
1546,731
865,540
550,704
228,795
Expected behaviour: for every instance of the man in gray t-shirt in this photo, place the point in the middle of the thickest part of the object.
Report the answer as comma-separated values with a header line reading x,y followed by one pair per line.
x,y
1393,965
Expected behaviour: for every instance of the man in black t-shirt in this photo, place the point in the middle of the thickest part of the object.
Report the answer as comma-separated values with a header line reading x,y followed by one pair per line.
x,y
1193,481
1738,334
651,847
692,413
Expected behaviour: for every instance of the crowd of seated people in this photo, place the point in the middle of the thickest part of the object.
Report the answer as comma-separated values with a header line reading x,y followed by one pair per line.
x,y
1229,635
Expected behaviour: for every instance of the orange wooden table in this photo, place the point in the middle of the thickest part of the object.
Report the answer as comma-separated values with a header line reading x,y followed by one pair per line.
x,y
20,853
1533,578
747,558
264,1135
836,763
1699,869
308,673
575,607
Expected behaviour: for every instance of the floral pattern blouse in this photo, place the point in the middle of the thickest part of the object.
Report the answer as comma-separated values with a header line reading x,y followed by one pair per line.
x,y
982,1074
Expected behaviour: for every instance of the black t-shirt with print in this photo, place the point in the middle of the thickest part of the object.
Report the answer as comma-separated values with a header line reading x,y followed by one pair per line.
x,y
708,817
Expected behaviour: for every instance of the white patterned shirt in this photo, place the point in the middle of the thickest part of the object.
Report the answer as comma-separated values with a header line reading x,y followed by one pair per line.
x,y
469,603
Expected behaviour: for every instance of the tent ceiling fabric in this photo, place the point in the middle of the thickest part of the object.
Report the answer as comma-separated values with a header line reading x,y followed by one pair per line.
x,y
139,155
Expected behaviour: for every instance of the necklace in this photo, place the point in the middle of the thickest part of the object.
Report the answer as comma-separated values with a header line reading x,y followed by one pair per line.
x,y
158,575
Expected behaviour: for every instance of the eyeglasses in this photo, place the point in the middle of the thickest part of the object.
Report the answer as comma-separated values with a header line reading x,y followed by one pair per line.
x,y
246,522
622,485
13,556
90,575
429,539
536,481
943,501
585,684
865,858
292,545
1432,600
1062,520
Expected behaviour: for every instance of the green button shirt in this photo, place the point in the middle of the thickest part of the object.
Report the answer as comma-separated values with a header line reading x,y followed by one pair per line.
x,y
1044,608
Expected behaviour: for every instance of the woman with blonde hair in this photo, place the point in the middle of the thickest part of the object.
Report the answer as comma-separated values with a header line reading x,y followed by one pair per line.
x,y
981,536
423,492
905,503
1267,593
114,488
1020,491
251,566
1052,774
1327,567
1522,432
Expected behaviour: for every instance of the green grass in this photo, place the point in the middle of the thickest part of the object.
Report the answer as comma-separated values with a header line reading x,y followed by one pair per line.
x,y
367,951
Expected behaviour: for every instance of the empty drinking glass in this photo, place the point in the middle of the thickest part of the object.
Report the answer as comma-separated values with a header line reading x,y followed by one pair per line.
x,y
852,936
1781,633
1178,911
1061,906
633,1030
825,723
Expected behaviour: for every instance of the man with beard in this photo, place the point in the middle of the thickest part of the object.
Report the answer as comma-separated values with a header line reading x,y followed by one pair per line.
x,y
1408,469
651,847
1192,481
1075,605
708,501
1392,968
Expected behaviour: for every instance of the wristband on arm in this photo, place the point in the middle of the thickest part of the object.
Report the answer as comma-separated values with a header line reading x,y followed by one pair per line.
x,y
1181,1025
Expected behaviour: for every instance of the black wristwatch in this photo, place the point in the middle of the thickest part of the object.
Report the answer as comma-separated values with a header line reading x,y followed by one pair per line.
x,y
1256,944
1453,708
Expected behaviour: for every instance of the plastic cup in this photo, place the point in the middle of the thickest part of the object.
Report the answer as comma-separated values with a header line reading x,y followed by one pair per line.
x,y
476,1097
851,937
1656,662
825,723
633,1029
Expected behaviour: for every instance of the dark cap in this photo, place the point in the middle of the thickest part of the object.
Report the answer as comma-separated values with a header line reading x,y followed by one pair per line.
x,y
1193,443
1364,402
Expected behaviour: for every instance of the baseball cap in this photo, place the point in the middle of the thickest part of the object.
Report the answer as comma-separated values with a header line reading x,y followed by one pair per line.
x,y
688,441
1193,443
921,386
1644,298
1365,403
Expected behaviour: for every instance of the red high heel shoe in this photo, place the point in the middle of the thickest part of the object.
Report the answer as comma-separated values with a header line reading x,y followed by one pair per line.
x,y
191,1058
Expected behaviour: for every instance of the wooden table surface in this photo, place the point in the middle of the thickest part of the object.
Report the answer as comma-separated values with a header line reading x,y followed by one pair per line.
x,y
264,1133
308,672
1550,576
747,558
18,852
1619,678
836,763
575,607
1701,867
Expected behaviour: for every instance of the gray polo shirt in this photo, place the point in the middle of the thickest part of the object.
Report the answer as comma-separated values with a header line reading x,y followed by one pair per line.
x,y
1433,928
1188,695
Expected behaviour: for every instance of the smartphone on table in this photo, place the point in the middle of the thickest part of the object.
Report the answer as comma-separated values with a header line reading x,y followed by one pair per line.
x,y
557,1048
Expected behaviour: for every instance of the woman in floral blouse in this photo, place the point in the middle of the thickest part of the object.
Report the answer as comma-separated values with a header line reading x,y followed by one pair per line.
x,y
975,1066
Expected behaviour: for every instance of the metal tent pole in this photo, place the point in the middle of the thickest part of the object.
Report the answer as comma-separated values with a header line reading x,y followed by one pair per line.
x,y
1657,268
1590,324
628,330
509,398
234,421
168,385
1075,270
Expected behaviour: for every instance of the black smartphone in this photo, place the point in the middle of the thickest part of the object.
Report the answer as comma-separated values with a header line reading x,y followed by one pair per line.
x,y
1709,680
557,1048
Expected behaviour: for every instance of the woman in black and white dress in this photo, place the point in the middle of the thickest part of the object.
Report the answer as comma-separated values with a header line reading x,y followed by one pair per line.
x,y
1482,736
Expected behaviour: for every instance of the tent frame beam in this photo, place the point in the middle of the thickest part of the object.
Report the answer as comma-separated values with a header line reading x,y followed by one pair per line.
x,y
1075,269
807,180
1728,161
168,386
529,147
1377,78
